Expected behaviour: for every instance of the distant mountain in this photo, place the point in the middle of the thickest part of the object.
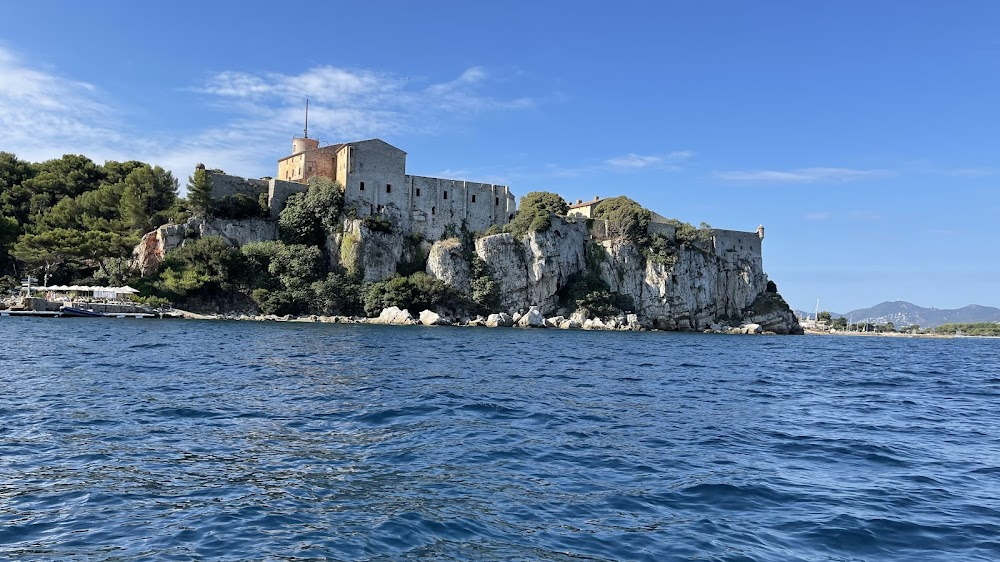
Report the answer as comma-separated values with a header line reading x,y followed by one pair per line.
x,y
902,313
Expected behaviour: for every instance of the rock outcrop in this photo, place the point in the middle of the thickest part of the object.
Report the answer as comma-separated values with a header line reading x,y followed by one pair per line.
x,y
530,271
446,260
689,288
148,254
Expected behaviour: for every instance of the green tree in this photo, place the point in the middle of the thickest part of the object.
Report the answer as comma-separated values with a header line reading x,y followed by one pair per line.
x,y
534,212
338,294
147,193
199,192
626,219
47,251
309,217
823,316
207,266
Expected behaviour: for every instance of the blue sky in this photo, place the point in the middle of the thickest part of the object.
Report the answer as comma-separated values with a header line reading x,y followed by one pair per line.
x,y
865,136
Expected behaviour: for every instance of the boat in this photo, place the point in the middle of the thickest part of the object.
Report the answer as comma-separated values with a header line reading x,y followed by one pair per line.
x,y
71,312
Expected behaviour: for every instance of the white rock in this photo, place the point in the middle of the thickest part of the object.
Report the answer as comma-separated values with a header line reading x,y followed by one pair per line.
x,y
554,321
532,319
430,318
500,320
393,316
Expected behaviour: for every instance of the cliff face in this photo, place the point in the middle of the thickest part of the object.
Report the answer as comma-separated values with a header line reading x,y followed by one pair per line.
x,y
148,254
530,271
690,289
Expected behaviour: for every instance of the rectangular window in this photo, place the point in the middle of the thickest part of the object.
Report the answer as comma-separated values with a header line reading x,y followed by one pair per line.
x,y
418,192
498,201
362,186
445,194
473,198
388,188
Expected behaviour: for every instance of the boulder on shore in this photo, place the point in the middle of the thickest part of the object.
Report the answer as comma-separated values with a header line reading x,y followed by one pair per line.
x,y
532,319
394,316
501,320
431,318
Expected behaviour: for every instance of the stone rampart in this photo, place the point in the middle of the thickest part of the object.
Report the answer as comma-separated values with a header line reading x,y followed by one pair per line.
x,y
224,185
278,192
437,204
742,244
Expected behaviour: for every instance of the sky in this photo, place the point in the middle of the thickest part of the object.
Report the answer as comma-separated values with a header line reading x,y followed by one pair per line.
x,y
864,136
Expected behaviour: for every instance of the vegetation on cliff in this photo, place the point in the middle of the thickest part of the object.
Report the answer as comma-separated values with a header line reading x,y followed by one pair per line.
x,y
534,213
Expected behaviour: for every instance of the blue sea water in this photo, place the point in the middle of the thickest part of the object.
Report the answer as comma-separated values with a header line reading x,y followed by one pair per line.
x,y
182,440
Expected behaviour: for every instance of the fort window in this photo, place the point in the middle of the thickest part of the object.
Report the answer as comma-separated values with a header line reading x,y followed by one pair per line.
x,y
362,186
434,210
473,197
497,201
388,188
445,194
418,192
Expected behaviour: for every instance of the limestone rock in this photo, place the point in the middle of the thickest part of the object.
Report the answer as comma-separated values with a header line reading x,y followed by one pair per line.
x,y
554,321
500,320
393,316
532,319
594,324
154,245
447,262
430,318
571,324
531,270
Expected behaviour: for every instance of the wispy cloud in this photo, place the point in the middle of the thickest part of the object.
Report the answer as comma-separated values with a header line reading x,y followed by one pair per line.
x,y
799,175
44,114
41,110
632,161
354,103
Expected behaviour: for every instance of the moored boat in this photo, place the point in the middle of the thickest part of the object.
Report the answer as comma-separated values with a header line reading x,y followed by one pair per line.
x,y
70,312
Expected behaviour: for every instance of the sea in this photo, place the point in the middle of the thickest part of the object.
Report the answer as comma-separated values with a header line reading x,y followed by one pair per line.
x,y
125,439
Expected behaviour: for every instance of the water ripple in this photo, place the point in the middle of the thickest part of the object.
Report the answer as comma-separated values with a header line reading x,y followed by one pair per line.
x,y
181,440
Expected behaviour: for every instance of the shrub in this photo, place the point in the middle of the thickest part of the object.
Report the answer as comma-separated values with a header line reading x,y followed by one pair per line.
x,y
415,293
586,292
534,211
626,219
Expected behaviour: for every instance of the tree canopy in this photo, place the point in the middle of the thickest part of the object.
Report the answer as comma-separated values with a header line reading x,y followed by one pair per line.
x,y
534,213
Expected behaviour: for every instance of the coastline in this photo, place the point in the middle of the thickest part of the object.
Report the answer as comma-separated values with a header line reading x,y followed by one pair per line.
x,y
809,332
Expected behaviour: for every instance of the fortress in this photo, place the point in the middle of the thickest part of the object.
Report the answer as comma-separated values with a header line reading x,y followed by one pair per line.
x,y
373,173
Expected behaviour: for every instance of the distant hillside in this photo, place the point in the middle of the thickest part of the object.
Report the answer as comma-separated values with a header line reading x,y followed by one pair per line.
x,y
902,313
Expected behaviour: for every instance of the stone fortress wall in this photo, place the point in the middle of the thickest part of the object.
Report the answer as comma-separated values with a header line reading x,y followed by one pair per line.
x,y
224,185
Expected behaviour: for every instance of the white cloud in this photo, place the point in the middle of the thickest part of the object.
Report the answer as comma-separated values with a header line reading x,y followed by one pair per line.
x,y
799,175
44,115
632,161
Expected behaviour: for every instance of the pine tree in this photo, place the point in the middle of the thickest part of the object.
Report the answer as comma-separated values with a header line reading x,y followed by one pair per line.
x,y
199,188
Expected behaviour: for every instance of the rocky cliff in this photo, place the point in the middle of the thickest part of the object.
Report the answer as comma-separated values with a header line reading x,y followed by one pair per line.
x,y
690,289
531,270
148,254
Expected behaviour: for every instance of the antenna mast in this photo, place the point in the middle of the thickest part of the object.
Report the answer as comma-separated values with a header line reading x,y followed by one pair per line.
x,y
305,134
